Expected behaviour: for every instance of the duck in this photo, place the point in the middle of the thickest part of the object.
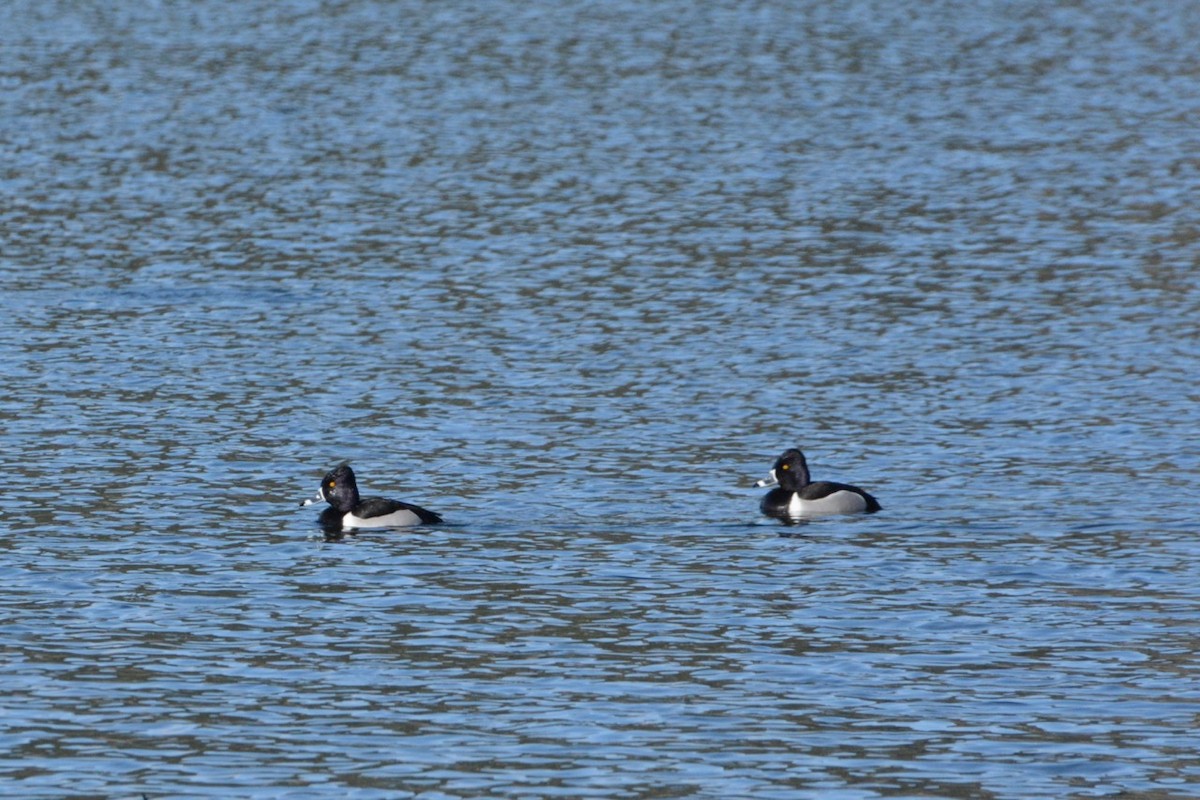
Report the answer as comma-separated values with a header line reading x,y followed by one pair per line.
x,y
347,509
796,497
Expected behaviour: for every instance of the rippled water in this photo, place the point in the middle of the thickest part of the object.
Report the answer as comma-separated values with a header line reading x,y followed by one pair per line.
x,y
572,276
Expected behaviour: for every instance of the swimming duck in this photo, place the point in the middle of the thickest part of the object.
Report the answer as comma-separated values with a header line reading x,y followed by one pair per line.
x,y
796,497
347,510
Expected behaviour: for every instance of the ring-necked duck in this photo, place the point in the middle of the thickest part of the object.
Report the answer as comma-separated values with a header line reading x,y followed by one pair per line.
x,y
348,510
795,497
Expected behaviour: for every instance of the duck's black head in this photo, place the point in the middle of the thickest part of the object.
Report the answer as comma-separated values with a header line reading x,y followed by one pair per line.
x,y
338,488
791,470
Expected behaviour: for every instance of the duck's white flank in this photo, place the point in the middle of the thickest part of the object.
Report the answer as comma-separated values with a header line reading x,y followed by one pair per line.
x,y
397,519
839,502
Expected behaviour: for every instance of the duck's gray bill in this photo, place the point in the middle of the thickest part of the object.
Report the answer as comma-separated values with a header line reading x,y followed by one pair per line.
x,y
770,480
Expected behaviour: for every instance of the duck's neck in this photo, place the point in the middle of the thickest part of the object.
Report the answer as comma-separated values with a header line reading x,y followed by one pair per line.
x,y
348,499
799,473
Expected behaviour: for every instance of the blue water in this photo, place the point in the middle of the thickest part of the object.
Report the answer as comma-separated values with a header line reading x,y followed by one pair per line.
x,y
573,276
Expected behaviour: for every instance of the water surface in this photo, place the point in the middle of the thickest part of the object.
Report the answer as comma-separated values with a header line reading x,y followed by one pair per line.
x,y
573,276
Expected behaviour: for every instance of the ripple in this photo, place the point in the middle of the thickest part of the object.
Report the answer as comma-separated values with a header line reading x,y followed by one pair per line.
x,y
573,277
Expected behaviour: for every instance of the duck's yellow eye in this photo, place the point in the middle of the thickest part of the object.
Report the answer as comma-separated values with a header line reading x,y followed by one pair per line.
x,y
781,466
332,484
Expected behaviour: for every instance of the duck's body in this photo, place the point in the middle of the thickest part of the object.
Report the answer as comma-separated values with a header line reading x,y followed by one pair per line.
x,y
796,497
348,510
